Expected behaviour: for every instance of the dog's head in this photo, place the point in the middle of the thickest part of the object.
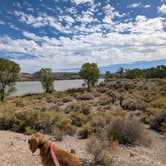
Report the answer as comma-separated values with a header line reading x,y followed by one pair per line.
x,y
35,141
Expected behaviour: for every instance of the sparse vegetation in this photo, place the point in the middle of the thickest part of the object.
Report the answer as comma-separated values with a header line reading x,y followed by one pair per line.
x,y
99,151
85,96
67,99
109,114
32,121
105,100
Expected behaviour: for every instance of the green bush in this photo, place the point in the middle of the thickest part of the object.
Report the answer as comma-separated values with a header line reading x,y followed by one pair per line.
x,y
125,131
67,99
82,108
99,152
99,120
85,96
29,121
133,104
20,103
105,100
86,109
72,108
77,119
158,122
55,108
85,131
159,103
155,114
113,126
102,89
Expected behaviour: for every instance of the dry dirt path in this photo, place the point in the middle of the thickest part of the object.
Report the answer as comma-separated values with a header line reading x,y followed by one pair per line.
x,y
14,151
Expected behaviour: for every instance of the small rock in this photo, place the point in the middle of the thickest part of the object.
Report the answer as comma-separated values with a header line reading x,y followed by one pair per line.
x,y
72,151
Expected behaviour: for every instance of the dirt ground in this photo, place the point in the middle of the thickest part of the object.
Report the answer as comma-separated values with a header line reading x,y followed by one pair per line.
x,y
14,151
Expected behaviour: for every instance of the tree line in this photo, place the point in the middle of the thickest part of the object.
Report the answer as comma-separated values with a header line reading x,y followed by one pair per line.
x,y
9,74
153,72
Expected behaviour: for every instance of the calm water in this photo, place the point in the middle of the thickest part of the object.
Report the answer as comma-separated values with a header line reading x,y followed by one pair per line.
x,y
32,87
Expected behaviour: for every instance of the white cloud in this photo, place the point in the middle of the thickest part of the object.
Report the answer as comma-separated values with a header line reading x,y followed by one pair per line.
x,y
29,19
82,1
110,13
138,5
147,6
134,5
162,9
63,53
43,20
142,25
101,42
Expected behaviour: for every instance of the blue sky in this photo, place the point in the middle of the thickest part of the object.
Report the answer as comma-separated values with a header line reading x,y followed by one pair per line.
x,y
64,34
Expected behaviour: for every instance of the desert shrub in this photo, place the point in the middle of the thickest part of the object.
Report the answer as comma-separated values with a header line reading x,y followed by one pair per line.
x,y
58,134
96,93
133,104
86,109
97,121
102,84
77,119
105,100
155,114
55,108
102,89
29,131
113,126
85,96
158,122
114,95
46,122
98,150
125,131
67,99
85,131
159,103
100,119
163,89
81,108
20,103
72,108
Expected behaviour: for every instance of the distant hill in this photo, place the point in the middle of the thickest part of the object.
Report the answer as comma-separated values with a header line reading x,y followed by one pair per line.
x,y
57,75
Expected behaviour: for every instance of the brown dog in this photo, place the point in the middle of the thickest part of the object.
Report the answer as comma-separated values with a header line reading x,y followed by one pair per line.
x,y
64,158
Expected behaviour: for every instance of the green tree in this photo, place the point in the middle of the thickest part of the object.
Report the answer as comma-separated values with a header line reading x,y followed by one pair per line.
x,y
90,73
108,75
134,73
47,79
9,74
121,72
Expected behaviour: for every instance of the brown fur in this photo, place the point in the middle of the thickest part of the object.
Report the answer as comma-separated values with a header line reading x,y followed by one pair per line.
x,y
64,158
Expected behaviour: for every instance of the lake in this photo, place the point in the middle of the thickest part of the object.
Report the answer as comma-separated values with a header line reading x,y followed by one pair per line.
x,y
32,87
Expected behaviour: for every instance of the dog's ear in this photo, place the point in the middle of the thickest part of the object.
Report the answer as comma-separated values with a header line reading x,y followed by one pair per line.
x,y
33,144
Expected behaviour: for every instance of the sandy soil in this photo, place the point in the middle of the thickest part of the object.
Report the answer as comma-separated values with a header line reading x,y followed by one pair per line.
x,y
14,151
151,155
